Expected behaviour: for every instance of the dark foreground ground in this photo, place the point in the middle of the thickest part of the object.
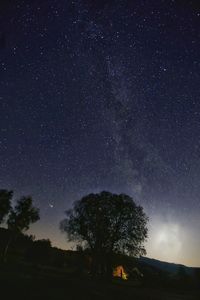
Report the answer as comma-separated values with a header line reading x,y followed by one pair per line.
x,y
35,270
22,280
75,289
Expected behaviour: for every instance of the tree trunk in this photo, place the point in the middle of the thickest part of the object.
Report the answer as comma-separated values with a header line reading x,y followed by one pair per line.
x,y
10,240
5,251
101,265
109,270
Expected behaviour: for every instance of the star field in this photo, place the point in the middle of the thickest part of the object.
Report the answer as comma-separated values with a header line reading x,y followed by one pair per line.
x,y
104,95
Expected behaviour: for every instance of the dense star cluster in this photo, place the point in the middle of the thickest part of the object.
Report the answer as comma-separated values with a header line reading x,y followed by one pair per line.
x,y
104,95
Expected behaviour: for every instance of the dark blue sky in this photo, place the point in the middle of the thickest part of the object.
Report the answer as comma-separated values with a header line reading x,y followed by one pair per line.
x,y
104,95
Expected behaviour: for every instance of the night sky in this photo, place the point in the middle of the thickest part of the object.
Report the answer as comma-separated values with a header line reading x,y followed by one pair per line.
x,y
104,95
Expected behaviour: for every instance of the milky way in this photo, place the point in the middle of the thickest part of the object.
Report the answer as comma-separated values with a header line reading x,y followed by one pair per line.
x,y
104,95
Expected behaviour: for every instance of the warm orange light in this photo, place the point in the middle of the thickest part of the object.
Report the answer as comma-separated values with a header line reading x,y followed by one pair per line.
x,y
120,272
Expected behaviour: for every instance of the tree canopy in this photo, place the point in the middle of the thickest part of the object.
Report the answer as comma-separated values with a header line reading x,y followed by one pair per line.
x,y
22,215
5,203
107,223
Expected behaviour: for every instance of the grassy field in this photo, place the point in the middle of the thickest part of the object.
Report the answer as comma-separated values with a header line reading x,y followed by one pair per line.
x,y
75,289
23,281
20,279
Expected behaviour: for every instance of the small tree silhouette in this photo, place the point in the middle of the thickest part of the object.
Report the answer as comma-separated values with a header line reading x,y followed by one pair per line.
x,y
5,205
20,218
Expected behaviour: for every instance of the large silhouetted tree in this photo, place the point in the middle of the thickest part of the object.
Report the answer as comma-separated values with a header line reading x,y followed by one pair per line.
x,y
20,218
5,203
107,223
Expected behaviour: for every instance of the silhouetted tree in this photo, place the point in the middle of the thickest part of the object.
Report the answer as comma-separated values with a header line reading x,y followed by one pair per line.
x,y
20,218
107,223
23,215
5,203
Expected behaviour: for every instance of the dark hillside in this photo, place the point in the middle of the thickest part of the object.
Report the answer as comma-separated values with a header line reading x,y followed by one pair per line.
x,y
35,270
